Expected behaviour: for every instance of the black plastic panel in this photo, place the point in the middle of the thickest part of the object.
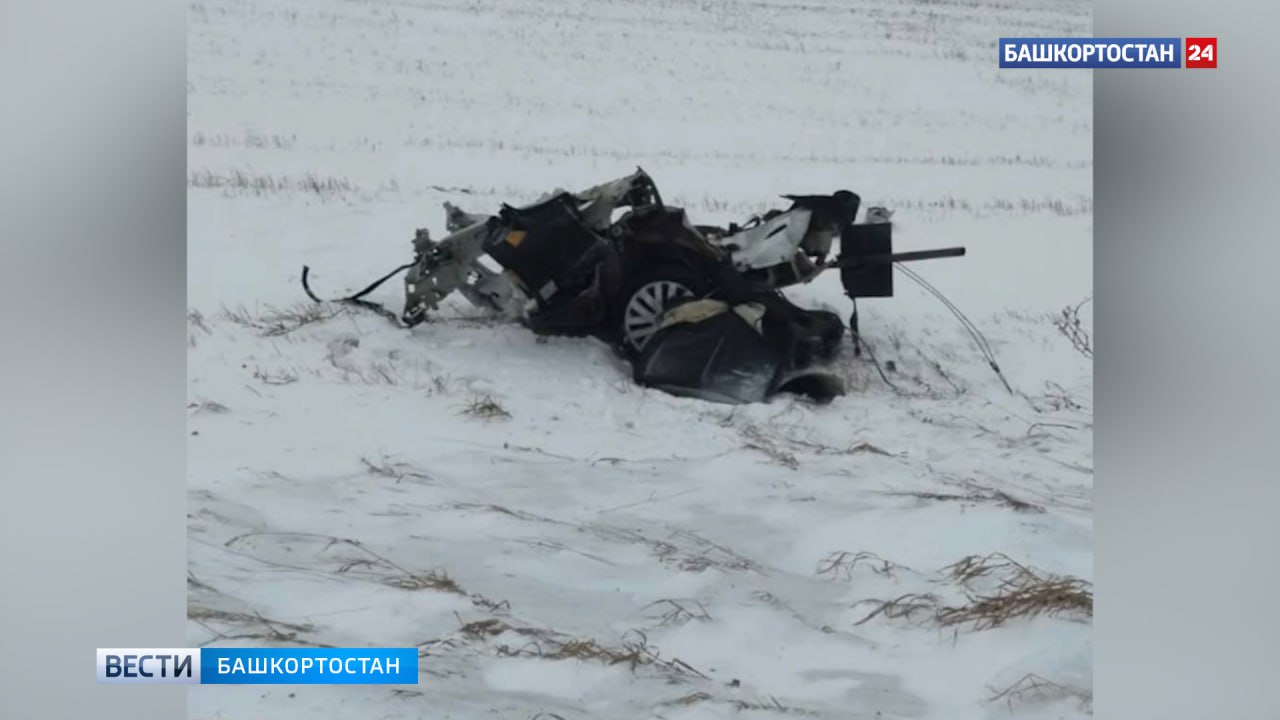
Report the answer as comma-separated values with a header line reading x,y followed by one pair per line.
x,y
867,280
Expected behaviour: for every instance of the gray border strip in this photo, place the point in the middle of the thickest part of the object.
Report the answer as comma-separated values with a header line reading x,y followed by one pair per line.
x,y
93,366
1186,255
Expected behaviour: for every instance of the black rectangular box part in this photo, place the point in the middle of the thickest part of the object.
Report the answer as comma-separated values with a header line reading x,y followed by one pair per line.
x,y
874,278
543,245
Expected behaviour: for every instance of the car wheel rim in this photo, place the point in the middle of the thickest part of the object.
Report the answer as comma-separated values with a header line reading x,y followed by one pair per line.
x,y
640,319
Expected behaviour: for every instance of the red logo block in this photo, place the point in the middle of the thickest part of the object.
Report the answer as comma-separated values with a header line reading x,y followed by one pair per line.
x,y
1202,52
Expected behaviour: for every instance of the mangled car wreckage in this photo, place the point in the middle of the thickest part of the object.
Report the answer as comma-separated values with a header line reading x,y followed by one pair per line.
x,y
696,309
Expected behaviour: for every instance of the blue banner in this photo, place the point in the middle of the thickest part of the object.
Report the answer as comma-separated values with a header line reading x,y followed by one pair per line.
x,y
1090,52
308,666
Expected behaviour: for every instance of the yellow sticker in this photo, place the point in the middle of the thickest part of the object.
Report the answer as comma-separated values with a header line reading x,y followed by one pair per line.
x,y
515,237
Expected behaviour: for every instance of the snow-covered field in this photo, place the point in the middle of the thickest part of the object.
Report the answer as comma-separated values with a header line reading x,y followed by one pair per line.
x,y
558,542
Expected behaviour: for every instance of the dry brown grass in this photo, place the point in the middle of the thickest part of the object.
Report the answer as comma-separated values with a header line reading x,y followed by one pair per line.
x,y
485,407
866,447
1019,593
246,139
204,407
903,607
430,581
494,508
782,448
693,553
493,606
196,320
998,497
674,612
1042,596
971,567
370,565
200,613
1033,688
692,698
681,548
756,440
395,470
275,322
285,376
255,627
631,655
248,183
841,565
482,629
633,651
772,704
1022,593
1068,323
976,493
1056,399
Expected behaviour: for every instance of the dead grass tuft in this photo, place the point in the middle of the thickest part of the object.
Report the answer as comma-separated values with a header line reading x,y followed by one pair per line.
x,y
781,448
840,565
633,651
493,508
701,554
1056,399
971,567
241,182
371,560
431,581
1051,596
1033,688
756,440
1019,592
903,607
198,613
208,406
866,447
481,629
591,650
275,322
773,705
381,373
494,606
196,319
673,612
283,376
692,698
394,470
257,627
975,494
486,408
1068,323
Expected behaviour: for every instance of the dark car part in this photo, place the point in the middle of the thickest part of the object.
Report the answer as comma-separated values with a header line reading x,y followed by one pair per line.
x,y
734,354
568,265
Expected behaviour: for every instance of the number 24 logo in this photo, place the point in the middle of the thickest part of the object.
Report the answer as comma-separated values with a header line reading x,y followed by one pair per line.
x,y
1198,51
1202,52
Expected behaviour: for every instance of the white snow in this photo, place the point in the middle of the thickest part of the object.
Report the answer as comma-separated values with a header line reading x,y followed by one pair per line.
x,y
340,493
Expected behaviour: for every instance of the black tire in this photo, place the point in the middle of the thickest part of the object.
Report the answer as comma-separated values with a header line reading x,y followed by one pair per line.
x,y
823,333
